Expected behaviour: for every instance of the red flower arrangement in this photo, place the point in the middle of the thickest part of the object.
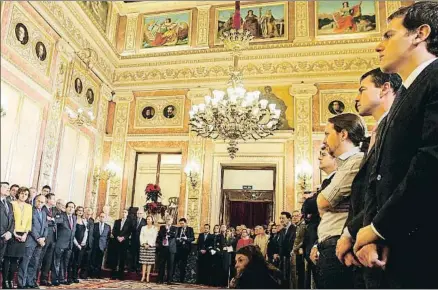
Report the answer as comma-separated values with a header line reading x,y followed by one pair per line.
x,y
153,192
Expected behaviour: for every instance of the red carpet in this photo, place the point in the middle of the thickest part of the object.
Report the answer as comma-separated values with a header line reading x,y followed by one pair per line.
x,y
127,284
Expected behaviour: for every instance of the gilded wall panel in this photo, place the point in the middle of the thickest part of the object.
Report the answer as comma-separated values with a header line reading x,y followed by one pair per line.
x,y
118,156
159,112
30,41
76,34
99,143
51,138
302,21
203,25
131,32
164,126
302,94
83,89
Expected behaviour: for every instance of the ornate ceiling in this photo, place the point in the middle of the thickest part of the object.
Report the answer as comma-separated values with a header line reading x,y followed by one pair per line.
x,y
301,55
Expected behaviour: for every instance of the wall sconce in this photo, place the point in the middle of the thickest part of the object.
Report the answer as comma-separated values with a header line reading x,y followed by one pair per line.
x,y
80,117
4,106
110,170
304,174
192,172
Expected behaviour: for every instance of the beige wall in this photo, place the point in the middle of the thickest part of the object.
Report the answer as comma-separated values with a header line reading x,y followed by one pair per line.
x,y
20,136
258,179
73,165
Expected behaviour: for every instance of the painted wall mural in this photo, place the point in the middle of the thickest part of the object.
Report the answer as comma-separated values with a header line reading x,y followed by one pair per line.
x,y
168,29
266,21
346,17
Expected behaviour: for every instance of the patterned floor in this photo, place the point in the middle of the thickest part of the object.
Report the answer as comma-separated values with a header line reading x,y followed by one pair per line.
x,y
115,284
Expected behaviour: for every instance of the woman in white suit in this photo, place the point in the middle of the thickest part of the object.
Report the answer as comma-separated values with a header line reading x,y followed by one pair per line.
x,y
148,239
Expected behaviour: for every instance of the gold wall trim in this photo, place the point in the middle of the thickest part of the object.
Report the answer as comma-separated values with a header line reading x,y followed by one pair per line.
x,y
76,35
254,47
266,70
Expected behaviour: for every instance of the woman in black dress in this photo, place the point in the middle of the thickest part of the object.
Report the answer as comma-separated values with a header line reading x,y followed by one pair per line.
x,y
227,256
216,248
253,271
17,244
80,245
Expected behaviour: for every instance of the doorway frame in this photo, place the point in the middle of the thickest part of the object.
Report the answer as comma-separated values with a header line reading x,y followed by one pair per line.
x,y
272,160
225,200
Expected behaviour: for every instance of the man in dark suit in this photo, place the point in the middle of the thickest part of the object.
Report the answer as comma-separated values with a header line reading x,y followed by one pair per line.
x,y
27,273
102,232
86,259
204,242
287,238
138,223
184,238
119,244
46,259
166,246
376,95
66,226
403,179
6,221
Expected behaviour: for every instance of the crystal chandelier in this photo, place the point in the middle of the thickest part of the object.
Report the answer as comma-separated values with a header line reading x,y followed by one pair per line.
x,y
236,114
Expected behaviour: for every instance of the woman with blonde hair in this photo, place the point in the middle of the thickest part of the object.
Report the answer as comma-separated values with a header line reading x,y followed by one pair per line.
x,y
148,238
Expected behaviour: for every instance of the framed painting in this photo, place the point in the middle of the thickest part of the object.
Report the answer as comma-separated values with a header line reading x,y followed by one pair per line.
x,y
345,19
265,21
166,29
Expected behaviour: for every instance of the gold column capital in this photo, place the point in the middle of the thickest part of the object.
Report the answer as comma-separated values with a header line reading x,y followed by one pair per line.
x,y
303,90
125,96
196,95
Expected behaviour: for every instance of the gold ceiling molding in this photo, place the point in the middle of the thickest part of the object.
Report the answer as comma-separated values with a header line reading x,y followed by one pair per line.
x,y
55,9
140,77
343,52
254,47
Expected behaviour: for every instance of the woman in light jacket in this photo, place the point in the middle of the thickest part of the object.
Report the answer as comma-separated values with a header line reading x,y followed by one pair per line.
x,y
148,239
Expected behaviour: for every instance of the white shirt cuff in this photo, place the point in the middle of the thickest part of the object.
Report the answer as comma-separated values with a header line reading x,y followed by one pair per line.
x,y
346,233
376,232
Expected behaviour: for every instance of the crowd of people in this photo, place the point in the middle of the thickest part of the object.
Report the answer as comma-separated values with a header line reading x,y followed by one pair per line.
x,y
53,242
353,232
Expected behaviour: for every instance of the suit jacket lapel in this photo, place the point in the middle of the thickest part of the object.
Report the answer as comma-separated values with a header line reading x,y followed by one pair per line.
x,y
38,217
367,158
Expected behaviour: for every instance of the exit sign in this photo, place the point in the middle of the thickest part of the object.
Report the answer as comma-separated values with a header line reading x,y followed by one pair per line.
x,y
247,187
